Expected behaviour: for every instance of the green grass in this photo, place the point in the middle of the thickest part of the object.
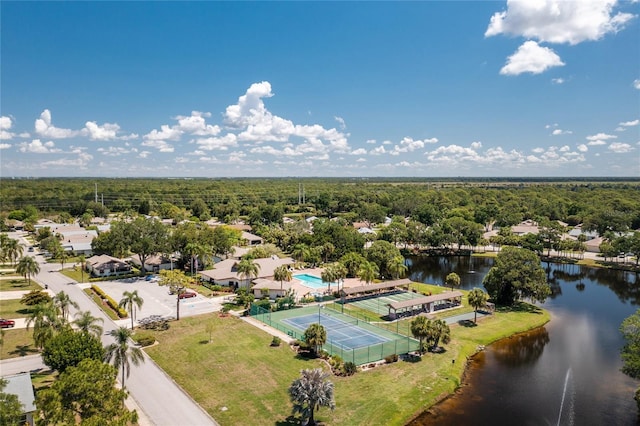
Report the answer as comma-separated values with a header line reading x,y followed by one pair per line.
x,y
13,309
251,378
18,284
17,342
75,274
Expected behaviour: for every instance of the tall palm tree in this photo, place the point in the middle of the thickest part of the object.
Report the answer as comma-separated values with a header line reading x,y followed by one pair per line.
x,y
248,269
62,302
315,335
282,273
420,331
477,299
122,353
195,251
27,266
81,261
46,323
328,276
129,301
438,330
300,252
396,267
368,272
62,257
13,250
310,392
87,323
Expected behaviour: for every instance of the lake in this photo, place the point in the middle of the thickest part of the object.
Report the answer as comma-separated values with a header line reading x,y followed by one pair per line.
x,y
566,373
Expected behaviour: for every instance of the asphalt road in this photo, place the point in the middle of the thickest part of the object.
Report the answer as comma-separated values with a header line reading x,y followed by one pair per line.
x,y
162,401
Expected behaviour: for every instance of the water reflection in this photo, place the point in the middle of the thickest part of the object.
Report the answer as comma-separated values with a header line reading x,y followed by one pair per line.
x,y
567,372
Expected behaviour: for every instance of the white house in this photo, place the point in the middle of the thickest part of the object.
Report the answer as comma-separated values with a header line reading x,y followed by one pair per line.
x,y
226,273
20,385
155,263
273,289
107,266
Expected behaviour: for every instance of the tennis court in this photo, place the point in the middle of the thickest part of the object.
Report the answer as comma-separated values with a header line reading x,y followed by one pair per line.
x,y
350,338
378,304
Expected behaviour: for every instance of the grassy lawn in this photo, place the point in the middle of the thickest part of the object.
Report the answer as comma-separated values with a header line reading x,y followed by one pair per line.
x,y
14,309
241,372
18,283
17,342
75,274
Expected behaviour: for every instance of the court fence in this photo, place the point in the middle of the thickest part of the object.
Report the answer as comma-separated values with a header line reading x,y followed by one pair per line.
x,y
395,343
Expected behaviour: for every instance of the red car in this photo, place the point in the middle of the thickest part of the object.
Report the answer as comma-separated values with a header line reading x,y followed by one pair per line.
x,y
187,295
5,323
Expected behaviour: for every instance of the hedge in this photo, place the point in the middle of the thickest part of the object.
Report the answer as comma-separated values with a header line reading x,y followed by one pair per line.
x,y
112,303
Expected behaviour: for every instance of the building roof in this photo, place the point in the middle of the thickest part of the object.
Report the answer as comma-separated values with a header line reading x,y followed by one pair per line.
x,y
424,300
226,269
155,259
267,284
378,286
20,385
103,259
250,237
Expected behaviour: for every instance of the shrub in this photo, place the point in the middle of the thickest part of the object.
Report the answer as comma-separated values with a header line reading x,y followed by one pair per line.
x,y
35,297
276,341
264,304
112,303
350,368
307,299
391,358
144,339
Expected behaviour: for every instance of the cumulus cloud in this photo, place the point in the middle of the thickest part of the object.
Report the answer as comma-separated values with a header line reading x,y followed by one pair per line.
x,y
558,21
38,147
106,132
5,125
531,58
629,123
45,128
601,137
116,151
160,145
81,161
558,132
218,143
583,148
619,147
5,145
379,150
340,121
596,143
359,151
557,80
636,84
194,124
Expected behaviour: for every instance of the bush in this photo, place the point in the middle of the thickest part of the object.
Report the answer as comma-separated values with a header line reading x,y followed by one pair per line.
x,y
276,341
350,368
307,299
112,303
144,339
35,297
391,358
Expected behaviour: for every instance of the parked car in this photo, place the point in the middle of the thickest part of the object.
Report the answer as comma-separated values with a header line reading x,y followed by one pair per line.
x,y
187,295
6,323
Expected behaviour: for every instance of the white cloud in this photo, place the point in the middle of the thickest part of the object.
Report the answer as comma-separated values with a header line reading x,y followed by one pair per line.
x,y
532,58
565,148
220,143
558,21
359,151
5,145
596,143
45,128
195,124
37,147
144,154
601,137
81,162
340,121
636,83
537,150
160,145
106,132
558,132
5,125
371,141
165,133
583,148
379,150
476,145
557,80
115,151
630,123
619,147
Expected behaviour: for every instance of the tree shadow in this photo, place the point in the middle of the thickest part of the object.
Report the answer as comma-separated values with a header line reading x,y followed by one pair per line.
x,y
412,358
23,350
520,307
204,342
289,421
467,323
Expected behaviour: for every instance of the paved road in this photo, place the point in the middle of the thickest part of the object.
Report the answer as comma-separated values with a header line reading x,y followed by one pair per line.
x,y
162,401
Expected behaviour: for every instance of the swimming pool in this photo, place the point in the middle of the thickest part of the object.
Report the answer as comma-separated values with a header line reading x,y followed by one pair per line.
x,y
311,281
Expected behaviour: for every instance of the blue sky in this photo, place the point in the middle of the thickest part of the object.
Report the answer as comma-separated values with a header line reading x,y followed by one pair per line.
x,y
233,89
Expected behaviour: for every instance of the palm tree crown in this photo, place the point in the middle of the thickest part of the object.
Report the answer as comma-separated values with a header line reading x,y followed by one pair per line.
x,y
121,353
248,269
27,266
282,273
62,302
87,323
129,301
310,392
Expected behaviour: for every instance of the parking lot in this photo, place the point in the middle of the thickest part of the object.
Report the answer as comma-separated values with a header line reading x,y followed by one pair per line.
x,y
157,300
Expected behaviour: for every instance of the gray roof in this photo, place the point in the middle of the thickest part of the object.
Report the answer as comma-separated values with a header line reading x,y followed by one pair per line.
x,y
263,283
373,287
20,384
424,300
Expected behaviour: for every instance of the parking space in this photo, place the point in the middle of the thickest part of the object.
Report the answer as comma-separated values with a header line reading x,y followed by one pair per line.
x,y
157,300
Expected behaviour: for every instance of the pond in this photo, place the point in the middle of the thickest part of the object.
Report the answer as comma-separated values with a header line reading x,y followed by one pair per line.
x,y
566,373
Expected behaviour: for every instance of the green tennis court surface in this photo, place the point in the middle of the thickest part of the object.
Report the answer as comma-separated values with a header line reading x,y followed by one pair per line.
x,y
352,339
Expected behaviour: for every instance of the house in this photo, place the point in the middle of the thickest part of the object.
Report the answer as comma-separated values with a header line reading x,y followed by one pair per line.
x,y
226,272
250,239
20,385
525,227
273,289
107,266
155,263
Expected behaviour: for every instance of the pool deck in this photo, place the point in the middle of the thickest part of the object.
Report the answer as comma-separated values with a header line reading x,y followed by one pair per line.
x,y
302,290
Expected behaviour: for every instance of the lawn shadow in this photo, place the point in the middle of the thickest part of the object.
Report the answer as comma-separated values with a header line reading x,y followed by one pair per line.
x,y
521,307
204,342
23,350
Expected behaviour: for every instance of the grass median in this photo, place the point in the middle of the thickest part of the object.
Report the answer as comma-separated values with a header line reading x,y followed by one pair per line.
x,y
240,371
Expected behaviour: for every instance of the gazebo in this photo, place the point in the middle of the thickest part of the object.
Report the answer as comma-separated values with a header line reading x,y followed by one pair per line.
x,y
425,304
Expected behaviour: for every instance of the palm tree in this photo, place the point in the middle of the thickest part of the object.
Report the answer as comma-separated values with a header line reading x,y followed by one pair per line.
x,y
81,261
477,298
62,302
327,250
328,276
27,266
452,280
300,252
368,272
177,282
87,323
420,331
282,273
310,392
196,251
315,335
438,330
13,250
248,269
62,256
129,301
122,353
396,267
44,317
